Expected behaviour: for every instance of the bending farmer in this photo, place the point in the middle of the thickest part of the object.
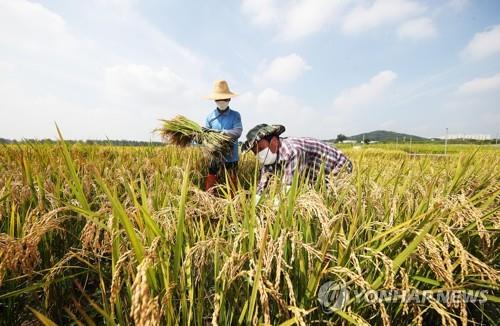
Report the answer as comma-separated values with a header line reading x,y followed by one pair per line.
x,y
291,155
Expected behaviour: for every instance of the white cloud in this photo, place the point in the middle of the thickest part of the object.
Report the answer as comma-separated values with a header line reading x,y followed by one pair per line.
x,y
133,98
273,107
144,82
119,4
269,99
6,67
27,115
297,19
282,69
31,27
484,44
293,20
149,93
261,12
417,29
366,93
380,13
306,17
480,85
89,80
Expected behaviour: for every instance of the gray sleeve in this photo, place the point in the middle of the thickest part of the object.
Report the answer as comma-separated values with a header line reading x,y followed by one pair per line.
x,y
235,133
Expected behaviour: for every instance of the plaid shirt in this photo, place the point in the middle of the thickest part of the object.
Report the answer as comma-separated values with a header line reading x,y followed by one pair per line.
x,y
304,155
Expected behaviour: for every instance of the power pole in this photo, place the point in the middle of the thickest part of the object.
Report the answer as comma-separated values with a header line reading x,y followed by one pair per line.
x,y
446,142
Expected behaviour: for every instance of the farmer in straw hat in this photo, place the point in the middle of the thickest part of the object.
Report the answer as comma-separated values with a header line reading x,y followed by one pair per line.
x,y
228,121
301,155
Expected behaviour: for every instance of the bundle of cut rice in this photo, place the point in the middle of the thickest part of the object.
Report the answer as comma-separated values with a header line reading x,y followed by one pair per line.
x,y
182,131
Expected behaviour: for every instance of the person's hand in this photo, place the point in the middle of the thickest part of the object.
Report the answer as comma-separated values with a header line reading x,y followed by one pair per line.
x,y
257,199
276,202
204,129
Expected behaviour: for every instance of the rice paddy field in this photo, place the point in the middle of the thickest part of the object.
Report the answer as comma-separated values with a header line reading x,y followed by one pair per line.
x,y
101,235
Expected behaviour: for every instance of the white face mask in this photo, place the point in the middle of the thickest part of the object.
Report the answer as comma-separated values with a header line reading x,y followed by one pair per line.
x,y
222,105
267,157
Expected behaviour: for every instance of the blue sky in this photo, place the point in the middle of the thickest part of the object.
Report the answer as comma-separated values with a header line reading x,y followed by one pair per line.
x,y
112,68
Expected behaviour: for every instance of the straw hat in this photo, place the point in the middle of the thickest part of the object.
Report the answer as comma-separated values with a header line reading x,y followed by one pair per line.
x,y
221,91
259,132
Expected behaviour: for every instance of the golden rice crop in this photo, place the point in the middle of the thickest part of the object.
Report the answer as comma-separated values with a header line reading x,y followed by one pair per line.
x,y
106,235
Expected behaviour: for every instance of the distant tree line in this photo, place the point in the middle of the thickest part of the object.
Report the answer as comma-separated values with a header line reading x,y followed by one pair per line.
x,y
404,140
340,138
122,142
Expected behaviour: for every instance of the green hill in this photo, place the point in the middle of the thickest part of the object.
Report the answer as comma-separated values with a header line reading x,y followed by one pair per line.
x,y
384,135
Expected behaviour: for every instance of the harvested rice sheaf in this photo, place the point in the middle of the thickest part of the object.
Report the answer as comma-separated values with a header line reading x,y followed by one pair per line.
x,y
181,131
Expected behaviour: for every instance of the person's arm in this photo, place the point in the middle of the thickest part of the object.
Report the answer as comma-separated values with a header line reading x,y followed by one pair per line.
x,y
234,133
236,129
265,175
289,168
341,160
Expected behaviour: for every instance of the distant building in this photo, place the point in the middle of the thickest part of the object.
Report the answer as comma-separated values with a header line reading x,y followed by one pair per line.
x,y
469,137
349,142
